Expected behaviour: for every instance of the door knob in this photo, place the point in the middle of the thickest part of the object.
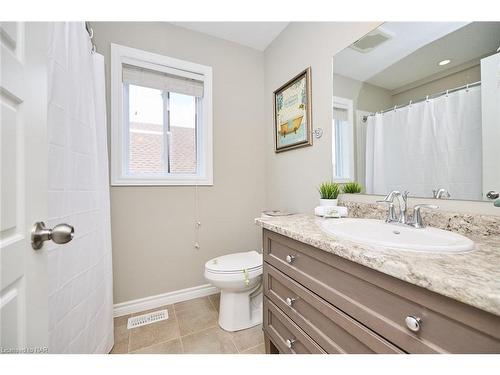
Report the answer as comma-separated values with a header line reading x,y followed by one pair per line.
x,y
289,301
290,258
60,234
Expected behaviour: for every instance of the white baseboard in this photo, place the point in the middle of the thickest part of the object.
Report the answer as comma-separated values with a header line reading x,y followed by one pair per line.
x,y
152,302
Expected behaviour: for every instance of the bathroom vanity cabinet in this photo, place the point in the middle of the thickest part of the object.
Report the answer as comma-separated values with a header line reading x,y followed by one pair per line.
x,y
318,302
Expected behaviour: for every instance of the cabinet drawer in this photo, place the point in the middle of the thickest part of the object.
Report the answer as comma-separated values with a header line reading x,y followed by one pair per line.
x,y
285,335
382,303
332,329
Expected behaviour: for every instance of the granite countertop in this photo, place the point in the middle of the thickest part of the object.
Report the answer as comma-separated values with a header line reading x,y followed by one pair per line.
x,y
472,278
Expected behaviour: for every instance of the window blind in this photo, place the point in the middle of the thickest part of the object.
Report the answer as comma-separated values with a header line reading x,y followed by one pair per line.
x,y
162,81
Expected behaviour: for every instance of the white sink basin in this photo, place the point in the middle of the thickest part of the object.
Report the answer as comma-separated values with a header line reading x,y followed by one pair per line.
x,y
400,237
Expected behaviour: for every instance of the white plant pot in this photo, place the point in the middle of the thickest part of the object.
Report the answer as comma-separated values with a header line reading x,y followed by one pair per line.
x,y
328,202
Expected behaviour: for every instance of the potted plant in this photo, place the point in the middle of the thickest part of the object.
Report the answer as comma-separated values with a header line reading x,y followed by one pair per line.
x,y
328,192
352,188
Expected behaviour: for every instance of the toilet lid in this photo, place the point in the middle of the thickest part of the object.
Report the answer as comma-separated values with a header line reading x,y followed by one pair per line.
x,y
236,262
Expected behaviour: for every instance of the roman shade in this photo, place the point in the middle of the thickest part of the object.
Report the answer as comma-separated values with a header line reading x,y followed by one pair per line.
x,y
162,81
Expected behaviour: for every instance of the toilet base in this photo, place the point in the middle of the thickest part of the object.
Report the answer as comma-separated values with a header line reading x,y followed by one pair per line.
x,y
239,311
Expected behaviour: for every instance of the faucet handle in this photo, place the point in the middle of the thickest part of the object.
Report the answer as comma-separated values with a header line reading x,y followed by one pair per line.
x,y
389,197
417,217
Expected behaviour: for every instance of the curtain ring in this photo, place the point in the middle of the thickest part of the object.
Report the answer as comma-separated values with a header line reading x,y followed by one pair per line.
x,y
94,49
467,88
447,93
427,98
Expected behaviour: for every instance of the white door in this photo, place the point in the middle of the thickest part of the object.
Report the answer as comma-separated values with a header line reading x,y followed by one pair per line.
x,y
23,185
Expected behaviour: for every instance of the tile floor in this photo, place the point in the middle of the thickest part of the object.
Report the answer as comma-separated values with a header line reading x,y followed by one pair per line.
x,y
191,328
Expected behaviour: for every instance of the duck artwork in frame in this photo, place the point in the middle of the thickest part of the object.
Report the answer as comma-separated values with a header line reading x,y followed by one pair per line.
x,y
293,113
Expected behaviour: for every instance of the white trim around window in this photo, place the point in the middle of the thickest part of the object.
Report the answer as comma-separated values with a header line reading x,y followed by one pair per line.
x,y
142,59
343,140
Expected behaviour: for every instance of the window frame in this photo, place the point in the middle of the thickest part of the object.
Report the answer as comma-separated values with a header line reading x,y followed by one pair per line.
x,y
348,105
120,127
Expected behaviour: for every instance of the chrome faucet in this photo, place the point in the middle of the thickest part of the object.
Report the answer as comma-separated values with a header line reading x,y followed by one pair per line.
x,y
402,218
441,194
403,206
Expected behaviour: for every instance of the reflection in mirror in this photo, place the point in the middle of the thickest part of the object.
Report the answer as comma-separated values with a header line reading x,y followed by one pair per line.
x,y
417,107
343,134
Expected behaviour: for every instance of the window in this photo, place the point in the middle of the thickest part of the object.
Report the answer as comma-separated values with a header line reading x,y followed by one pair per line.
x,y
343,140
161,120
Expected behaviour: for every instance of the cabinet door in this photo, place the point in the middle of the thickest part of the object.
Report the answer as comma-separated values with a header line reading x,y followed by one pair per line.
x,y
332,329
285,334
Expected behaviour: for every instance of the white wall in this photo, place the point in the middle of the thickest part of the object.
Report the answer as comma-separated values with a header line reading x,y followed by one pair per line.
x,y
365,96
454,79
293,176
153,227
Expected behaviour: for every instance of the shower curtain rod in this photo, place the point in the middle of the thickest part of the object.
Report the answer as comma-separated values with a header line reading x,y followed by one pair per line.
x,y
433,96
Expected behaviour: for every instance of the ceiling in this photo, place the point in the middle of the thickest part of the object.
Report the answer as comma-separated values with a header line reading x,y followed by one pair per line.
x,y
407,37
257,35
414,50
464,47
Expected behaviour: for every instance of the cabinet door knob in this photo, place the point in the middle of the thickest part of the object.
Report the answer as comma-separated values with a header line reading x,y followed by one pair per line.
x,y
289,301
413,323
290,258
290,342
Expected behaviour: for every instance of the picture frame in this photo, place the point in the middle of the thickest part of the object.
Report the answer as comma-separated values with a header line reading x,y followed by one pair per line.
x,y
292,108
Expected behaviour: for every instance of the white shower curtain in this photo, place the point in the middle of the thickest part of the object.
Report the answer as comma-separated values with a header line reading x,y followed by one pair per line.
x,y
427,145
80,281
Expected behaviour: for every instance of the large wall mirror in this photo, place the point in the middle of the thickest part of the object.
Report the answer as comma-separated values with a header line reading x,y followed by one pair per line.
x,y
416,106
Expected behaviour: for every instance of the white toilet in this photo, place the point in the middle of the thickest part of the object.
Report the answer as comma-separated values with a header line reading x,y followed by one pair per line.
x,y
239,278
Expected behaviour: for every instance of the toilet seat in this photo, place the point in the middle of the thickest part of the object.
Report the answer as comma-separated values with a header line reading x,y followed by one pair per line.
x,y
235,263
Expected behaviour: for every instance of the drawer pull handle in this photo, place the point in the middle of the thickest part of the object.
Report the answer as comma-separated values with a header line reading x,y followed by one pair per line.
x,y
290,258
289,301
413,323
290,342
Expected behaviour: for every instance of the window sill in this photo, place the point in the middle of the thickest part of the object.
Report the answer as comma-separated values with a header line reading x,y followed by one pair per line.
x,y
161,182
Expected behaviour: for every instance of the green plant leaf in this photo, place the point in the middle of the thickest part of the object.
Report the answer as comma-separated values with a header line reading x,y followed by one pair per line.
x,y
329,190
352,188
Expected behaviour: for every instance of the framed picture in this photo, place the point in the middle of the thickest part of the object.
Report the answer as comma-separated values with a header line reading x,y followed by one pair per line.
x,y
293,113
